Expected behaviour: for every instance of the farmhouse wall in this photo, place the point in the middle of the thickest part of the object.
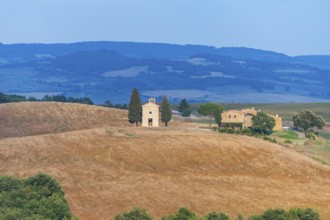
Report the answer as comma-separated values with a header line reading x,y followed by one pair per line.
x,y
244,117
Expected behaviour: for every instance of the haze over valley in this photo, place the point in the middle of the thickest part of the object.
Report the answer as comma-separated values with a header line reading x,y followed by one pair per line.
x,y
109,70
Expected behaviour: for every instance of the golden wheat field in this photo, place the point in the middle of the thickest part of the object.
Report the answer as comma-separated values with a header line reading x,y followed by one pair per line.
x,y
106,166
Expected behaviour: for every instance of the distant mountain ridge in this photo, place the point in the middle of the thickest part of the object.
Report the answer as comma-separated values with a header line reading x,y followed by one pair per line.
x,y
154,50
109,70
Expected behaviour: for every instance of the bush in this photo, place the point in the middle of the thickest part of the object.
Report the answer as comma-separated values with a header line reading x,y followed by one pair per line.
x,y
186,112
222,130
217,216
288,142
276,214
256,217
310,135
273,140
246,131
182,214
304,214
230,131
38,197
239,217
135,214
292,214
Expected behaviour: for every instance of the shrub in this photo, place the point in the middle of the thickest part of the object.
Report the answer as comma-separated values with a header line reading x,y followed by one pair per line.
x,y
230,131
135,214
38,197
310,135
304,214
276,214
256,217
239,217
222,130
182,214
288,142
217,216
273,140
246,131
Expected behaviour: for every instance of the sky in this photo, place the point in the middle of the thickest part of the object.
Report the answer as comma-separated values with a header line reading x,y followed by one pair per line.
x,y
293,27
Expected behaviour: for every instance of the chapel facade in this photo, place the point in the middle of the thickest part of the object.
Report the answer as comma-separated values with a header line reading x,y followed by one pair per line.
x,y
150,114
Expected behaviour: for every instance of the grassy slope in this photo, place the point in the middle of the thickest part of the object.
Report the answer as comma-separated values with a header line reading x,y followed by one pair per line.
x,y
105,171
34,118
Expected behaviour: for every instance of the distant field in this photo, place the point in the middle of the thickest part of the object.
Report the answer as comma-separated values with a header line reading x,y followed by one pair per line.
x,y
285,110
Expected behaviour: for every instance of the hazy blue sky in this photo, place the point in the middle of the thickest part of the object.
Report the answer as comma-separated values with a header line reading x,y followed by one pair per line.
x,y
289,26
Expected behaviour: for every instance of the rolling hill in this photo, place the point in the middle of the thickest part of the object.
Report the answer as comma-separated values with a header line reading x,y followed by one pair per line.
x,y
110,169
35,118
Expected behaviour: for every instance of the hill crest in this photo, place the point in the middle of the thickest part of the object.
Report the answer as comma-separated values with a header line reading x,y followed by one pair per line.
x,y
35,118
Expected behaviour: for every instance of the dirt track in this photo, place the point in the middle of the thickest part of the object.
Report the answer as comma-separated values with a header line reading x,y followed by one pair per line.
x,y
105,171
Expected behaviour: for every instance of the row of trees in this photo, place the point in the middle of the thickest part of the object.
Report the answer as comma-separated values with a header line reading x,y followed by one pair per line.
x,y
5,98
135,109
109,104
186,214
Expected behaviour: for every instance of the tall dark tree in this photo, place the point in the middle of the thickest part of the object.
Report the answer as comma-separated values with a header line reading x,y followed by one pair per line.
x,y
262,122
211,110
165,111
135,108
184,108
217,116
308,119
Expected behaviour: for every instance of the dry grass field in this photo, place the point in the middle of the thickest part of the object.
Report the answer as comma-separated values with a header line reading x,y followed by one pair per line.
x,y
110,169
34,118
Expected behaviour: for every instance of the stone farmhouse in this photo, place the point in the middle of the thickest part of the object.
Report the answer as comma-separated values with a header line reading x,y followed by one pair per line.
x,y
243,119
150,114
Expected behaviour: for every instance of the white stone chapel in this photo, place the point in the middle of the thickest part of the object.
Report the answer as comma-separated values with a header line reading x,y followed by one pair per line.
x,y
150,114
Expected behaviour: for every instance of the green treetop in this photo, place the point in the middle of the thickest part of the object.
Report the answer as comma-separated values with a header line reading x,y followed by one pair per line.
x,y
308,119
211,110
184,108
262,122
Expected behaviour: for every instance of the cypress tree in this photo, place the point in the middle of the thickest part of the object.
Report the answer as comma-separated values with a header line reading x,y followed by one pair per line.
x,y
134,108
165,111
